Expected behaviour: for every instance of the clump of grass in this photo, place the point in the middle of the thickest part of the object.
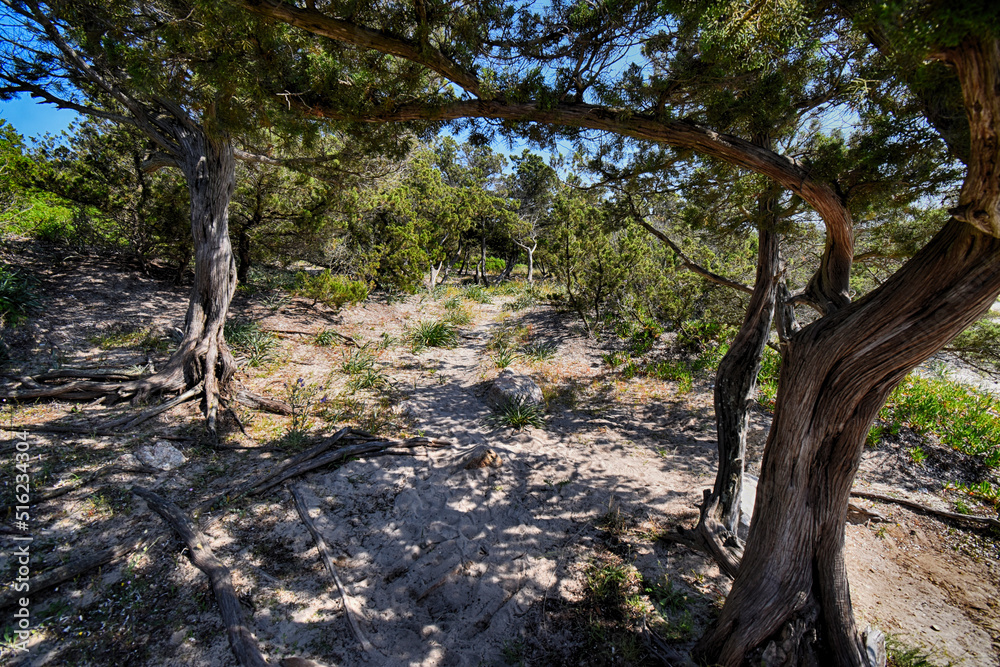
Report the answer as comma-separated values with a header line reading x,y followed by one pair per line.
x,y
433,333
17,295
504,356
542,351
327,338
478,293
249,340
525,299
519,414
456,312
370,378
358,361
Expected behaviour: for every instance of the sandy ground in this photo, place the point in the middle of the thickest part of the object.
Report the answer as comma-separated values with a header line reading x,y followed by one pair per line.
x,y
446,565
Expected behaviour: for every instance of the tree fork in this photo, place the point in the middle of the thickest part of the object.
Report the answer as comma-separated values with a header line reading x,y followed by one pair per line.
x,y
835,376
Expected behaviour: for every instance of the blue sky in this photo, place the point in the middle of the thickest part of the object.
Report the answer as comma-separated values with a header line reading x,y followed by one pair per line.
x,y
32,119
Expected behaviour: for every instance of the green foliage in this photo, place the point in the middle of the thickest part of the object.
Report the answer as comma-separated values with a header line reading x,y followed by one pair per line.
x,y
327,338
494,265
478,293
983,491
369,378
433,333
518,414
540,351
963,418
980,344
301,396
332,290
901,655
504,355
358,361
18,295
249,340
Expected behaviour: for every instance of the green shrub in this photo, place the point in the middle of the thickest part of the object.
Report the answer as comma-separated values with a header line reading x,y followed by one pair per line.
x,y
17,295
961,417
332,290
495,265
540,351
358,361
435,333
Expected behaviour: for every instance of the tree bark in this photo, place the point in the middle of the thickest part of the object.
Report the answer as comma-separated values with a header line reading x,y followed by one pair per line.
x,y
791,591
208,165
835,375
736,378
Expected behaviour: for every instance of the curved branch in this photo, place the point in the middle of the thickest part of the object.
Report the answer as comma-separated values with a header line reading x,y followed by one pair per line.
x,y
314,21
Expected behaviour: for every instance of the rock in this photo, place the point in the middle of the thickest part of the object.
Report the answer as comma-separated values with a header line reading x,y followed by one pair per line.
x,y
161,455
482,457
509,387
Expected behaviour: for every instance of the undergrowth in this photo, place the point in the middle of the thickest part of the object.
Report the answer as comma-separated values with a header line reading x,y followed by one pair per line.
x,y
17,295
249,340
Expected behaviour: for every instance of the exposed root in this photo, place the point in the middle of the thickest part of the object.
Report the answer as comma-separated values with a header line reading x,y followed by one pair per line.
x,y
712,538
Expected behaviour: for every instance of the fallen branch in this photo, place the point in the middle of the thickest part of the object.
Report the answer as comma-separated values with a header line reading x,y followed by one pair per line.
x,y
247,486
346,452
258,402
87,374
241,640
84,481
324,553
955,516
58,575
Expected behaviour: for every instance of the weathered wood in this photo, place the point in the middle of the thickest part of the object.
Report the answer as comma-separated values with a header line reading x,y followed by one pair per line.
x,y
84,481
129,422
324,552
241,640
248,485
43,581
258,402
954,516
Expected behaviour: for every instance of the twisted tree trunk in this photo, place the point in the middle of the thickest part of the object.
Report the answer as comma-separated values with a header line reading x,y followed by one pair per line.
x,y
208,164
790,601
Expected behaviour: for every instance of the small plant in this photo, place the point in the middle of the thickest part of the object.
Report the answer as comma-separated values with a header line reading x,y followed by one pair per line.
x,y
301,396
478,294
17,295
983,491
615,521
917,454
327,338
385,341
540,351
436,333
901,655
526,299
370,378
249,340
961,507
504,356
456,312
615,359
332,290
519,414
358,361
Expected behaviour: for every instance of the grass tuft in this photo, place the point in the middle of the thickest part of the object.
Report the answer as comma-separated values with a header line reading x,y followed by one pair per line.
x,y
249,340
518,415
434,333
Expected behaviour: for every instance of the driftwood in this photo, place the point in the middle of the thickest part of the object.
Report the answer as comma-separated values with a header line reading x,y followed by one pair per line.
x,y
87,374
73,569
954,516
241,640
324,552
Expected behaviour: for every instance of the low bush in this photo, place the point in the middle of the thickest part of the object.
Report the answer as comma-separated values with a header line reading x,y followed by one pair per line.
x,y
17,295
332,290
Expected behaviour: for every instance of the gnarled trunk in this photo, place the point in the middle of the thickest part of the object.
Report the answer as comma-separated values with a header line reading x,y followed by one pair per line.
x,y
208,165
736,379
791,591
835,375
